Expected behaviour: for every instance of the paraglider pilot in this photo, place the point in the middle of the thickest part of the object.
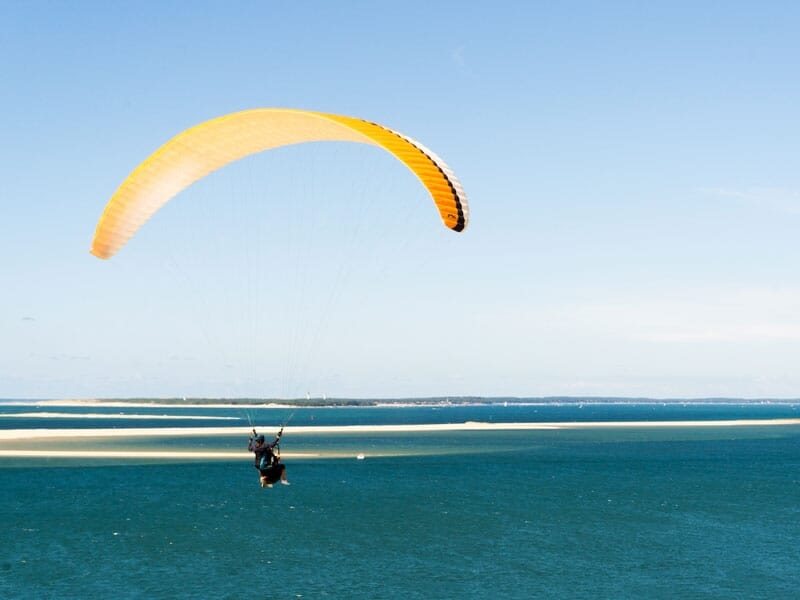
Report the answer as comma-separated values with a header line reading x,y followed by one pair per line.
x,y
267,461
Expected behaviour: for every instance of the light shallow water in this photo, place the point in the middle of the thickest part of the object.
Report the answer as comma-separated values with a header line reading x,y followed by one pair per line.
x,y
246,416
634,513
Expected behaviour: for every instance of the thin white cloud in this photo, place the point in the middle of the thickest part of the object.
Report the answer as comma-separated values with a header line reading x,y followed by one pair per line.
x,y
458,57
61,356
691,316
772,198
726,334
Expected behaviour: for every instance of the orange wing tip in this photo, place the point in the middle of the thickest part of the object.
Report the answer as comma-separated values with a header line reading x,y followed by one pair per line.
x,y
101,252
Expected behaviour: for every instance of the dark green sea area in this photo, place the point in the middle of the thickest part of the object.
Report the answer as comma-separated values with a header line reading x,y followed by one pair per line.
x,y
668,499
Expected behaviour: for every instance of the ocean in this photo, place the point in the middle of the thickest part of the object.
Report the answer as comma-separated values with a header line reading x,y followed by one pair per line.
x,y
621,511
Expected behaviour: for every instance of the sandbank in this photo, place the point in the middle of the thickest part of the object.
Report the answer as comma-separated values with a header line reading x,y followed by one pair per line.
x,y
17,434
199,455
154,404
59,415
53,436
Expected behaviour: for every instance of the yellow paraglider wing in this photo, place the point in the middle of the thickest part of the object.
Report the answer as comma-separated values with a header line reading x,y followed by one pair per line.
x,y
204,148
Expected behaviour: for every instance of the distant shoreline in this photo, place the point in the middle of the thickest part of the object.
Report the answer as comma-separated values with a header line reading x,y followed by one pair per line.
x,y
389,402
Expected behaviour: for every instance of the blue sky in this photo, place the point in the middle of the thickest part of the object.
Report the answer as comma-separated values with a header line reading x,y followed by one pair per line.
x,y
631,168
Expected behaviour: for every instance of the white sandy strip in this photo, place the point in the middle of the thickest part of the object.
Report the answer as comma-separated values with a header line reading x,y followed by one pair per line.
x,y
141,454
120,404
20,434
50,434
56,415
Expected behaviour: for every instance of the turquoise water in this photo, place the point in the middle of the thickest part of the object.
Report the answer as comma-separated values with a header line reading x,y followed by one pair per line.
x,y
498,413
633,513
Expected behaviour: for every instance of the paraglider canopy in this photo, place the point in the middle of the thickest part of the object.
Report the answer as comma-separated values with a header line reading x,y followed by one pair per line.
x,y
204,148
